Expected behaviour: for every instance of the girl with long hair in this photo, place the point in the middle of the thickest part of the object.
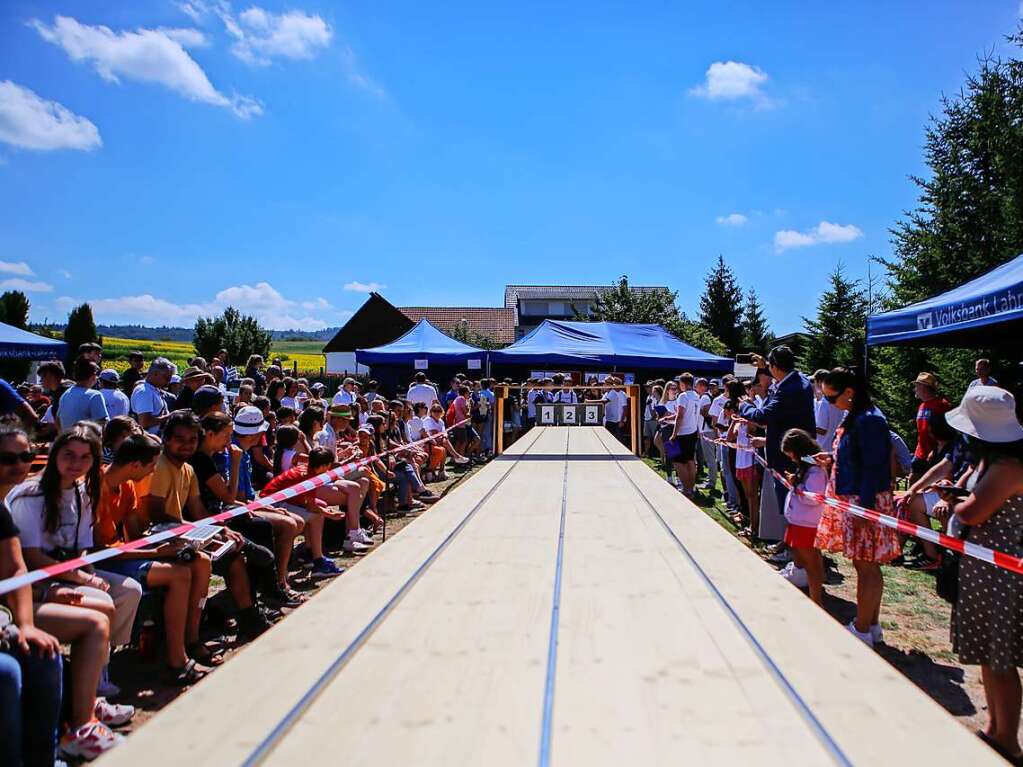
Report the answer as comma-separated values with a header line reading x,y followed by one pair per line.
x,y
803,514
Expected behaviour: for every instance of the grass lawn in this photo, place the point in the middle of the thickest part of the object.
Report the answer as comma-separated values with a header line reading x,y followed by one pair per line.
x,y
915,621
307,354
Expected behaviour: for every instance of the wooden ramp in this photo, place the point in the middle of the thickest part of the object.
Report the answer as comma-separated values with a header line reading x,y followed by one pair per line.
x,y
565,606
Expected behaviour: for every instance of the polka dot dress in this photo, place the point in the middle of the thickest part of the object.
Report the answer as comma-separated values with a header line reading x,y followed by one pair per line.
x,y
987,622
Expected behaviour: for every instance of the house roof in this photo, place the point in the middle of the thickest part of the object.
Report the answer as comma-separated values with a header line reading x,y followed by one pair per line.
x,y
515,293
495,322
375,323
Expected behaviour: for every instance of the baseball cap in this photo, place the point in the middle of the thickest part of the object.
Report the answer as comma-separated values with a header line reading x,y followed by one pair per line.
x,y
175,379
367,429
340,411
205,397
110,375
317,387
249,420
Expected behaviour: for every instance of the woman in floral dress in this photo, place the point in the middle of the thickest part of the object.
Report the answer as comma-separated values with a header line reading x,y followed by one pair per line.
x,y
860,473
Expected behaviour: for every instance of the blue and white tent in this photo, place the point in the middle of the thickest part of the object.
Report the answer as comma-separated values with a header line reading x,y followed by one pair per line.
x,y
985,312
423,342
18,344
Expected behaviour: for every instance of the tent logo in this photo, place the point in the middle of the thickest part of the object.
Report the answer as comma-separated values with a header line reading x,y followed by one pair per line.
x,y
924,321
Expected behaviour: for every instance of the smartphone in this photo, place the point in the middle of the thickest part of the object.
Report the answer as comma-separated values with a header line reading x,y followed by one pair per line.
x,y
809,459
958,492
743,359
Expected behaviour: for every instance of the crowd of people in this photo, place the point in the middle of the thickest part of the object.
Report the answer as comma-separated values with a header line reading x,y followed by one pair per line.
x,y
132,454
781,439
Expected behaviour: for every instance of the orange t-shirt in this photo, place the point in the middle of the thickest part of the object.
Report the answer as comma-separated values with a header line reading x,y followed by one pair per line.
x,y
116,503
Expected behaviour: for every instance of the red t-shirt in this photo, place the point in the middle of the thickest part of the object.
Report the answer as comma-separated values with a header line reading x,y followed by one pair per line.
x,y
292,476
925,441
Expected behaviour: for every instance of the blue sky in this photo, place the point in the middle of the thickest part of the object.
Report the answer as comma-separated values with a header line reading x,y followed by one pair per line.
x,y
162,159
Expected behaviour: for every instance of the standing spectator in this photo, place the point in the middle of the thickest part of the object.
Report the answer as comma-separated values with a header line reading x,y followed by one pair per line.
x,y
421,391
613,410
827,416
82,402
487,408
565,393
860,474
372,390
92,352
789,405
254,370
987,619
982,368
925,389
804,514
147,402
346,395
653,398
686,432
133,374
707,432
116,400
191,380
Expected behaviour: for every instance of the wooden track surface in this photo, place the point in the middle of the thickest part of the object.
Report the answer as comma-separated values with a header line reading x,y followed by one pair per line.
x,y
673,644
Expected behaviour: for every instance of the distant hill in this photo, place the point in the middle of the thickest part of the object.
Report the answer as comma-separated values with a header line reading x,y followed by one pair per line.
x,y
166,333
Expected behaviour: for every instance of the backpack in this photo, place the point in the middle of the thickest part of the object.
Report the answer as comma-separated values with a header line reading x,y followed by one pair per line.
x,y
449,416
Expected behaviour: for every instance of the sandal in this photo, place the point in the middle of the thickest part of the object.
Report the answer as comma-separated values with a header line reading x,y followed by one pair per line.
x,y
190,673
200,653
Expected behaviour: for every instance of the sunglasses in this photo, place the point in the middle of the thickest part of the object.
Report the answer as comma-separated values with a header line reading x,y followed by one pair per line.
x,y
9,459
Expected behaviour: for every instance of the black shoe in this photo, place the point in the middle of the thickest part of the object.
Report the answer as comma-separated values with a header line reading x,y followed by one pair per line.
x,y
251,623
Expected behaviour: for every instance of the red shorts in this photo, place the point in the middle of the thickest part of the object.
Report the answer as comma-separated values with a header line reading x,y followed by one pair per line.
x,y
747,473
800,537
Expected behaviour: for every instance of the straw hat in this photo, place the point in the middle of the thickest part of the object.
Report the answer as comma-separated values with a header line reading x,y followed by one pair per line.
x,y
987,413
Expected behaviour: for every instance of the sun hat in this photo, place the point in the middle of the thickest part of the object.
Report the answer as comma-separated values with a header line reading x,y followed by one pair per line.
x,y
249,420
927,379
340,411
987,413
110,375
195,372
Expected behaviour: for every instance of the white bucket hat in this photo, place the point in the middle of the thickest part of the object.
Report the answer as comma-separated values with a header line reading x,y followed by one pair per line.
x,y
249,420
987,413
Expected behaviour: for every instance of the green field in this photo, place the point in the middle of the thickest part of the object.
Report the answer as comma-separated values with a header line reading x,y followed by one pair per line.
x,y
115,353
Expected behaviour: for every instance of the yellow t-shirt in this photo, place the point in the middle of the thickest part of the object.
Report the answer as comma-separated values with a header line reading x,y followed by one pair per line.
x,y
175,484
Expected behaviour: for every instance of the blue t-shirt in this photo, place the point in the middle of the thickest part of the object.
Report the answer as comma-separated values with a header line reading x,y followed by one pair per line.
x,y
10,400
245,489
81,404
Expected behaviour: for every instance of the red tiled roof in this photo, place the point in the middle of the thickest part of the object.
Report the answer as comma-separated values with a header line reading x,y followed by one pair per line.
x,y
497,323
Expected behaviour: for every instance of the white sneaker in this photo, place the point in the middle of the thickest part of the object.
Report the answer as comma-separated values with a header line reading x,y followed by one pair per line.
x,y
674,481
351,546
460,461
89,741
795,575
113,714
866,637
360,536
106,688
877,633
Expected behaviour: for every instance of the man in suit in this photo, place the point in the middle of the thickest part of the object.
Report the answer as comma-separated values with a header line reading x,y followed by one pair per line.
x,y
789,405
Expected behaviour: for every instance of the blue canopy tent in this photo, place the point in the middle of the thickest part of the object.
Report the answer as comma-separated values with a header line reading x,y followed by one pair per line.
x,y
423,342
983,313
607,344
18,344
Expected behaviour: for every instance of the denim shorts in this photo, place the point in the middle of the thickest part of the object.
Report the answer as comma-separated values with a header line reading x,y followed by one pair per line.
x,y
137,569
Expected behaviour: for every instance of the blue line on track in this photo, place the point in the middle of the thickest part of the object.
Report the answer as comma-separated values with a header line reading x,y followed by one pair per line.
x,y
552,645
795,698
265,746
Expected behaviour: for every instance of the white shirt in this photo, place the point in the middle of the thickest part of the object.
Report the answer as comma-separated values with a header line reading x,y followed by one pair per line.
x,y
325,437
976,382
146,398
565,396
28,509
343,397
432,425
705,423
117,402
415,428
827,417
613,406
691,417
287,457
422,392
293,402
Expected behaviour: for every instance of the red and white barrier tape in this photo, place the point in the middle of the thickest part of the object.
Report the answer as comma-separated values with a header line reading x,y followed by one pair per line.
x,y
50,571
997,558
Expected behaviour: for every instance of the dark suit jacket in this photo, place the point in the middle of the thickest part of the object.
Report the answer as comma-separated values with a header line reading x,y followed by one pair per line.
x,y
790,406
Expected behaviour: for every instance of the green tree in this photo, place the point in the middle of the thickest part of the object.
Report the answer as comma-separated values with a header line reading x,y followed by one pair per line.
x,y
721,306
462,332
80,329
837,334
240,334
620,303
756,335
14,308
968,220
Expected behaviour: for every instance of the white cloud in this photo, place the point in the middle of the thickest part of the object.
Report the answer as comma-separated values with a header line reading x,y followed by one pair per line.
x,y
194,11
357,78
261,300
31,122
17,283
16,267
732,80
64,273
262,35
147,55
825,233
363,287
732,219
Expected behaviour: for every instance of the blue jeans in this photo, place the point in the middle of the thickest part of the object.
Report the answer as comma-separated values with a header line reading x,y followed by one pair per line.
x,y
487,435
30,690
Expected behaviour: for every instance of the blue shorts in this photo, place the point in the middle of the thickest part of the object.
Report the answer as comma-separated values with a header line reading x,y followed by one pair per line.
x,y
133,568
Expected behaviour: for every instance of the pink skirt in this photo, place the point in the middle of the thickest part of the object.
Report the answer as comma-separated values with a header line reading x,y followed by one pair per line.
x,y
855,538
